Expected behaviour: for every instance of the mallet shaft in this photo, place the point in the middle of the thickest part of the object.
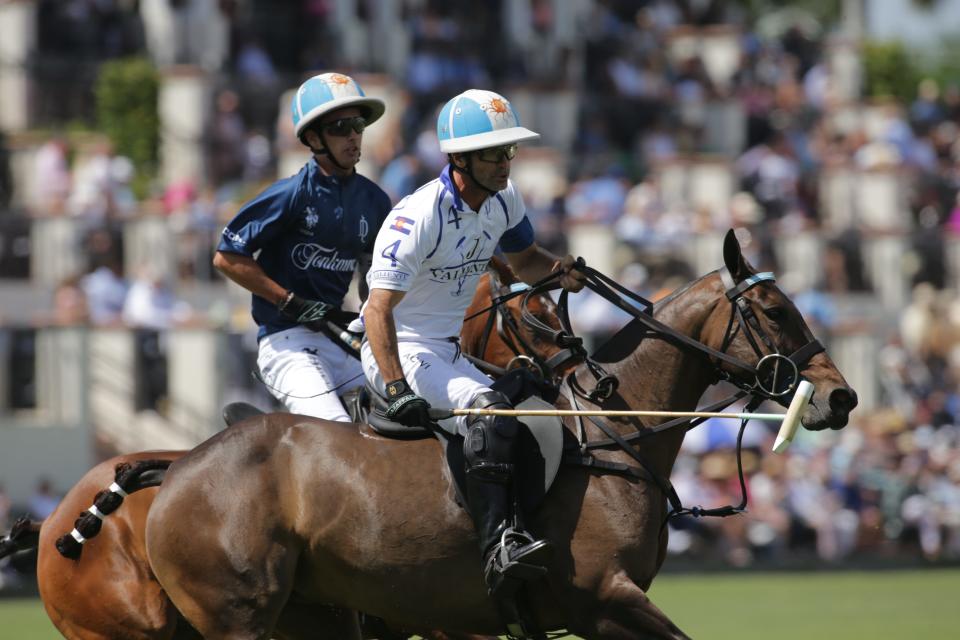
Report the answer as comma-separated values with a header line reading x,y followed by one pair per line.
x,y
440,414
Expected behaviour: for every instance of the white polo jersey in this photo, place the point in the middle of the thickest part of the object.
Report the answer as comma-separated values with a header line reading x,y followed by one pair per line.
x,y
435,247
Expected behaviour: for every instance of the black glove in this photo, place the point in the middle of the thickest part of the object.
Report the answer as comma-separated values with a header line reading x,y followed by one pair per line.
x,y
406,407
310,313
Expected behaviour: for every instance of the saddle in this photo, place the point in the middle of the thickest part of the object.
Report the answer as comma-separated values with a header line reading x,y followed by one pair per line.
x,y
541,437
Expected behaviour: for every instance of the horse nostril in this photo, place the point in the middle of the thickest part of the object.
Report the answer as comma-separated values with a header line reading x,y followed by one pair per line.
x,y
843,400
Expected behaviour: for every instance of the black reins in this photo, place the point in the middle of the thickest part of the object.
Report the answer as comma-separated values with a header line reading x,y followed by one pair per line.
x,y
774,377
768,382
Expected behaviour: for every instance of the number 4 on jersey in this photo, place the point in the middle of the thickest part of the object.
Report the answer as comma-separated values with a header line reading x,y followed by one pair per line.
x,y
453,217
390,252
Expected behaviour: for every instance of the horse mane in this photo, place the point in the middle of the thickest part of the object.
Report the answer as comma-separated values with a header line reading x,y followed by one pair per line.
x,y
503,271
679,291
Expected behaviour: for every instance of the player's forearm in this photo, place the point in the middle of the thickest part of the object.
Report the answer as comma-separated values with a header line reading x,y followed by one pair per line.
x,y
249,275
533,264
382,335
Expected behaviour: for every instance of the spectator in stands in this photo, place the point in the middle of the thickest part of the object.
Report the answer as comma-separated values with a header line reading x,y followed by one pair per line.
x,y
6,174
150,303
70,303
51,177
598,197
402,176
227,135
43,501
106,291
253,62
101,185
5,505
104,285
770,172
257,158
926,109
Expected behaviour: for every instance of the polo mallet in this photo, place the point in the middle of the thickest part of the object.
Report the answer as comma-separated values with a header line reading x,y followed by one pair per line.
x,y
790,420
352,340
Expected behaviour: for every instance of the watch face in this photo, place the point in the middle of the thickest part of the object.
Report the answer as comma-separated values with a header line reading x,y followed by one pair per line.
x,y
393,389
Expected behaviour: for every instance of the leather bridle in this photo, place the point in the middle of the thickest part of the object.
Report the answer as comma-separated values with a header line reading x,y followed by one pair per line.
x,y
763,381
550,369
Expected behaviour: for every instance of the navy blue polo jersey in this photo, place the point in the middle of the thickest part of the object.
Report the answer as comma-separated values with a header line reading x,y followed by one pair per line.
x,y
307,232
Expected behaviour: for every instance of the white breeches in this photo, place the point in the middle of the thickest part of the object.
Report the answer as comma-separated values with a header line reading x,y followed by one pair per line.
x,y
307,372
437,372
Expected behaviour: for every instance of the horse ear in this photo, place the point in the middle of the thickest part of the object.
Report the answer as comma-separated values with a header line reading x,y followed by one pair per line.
x,y
733,257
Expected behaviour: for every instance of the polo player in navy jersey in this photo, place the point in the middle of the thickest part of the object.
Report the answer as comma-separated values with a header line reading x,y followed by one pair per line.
x,y
296,246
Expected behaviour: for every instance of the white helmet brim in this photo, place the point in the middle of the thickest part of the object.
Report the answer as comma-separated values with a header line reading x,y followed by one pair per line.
x,y
488,139
374,108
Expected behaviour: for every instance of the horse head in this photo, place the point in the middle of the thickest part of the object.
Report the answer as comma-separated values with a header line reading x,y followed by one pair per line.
x,y
757,324
521,329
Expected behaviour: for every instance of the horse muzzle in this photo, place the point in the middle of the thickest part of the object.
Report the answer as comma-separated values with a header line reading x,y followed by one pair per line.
x,y
830,409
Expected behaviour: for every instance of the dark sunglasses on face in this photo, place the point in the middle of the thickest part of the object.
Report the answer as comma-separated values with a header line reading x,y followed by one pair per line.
x,y
498,154
342,127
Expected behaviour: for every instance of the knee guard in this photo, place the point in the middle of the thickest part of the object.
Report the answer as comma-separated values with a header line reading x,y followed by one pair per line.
x,y
489,445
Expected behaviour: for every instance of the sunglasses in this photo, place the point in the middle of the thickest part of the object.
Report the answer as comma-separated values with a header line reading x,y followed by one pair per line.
x,y
497,154
343,126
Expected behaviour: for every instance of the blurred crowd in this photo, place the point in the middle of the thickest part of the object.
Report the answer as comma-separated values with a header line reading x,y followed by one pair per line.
x,y
889,485
885,488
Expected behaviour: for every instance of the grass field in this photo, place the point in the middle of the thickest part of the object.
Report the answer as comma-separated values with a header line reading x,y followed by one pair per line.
x,y
883,605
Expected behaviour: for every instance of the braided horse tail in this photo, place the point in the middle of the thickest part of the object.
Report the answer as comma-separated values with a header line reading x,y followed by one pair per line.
x,y
129,477
24,535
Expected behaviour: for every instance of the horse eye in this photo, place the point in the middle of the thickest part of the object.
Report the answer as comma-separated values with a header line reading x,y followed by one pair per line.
x,y
774,314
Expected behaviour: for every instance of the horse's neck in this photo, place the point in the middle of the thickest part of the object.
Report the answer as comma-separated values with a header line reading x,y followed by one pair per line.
x,y
673,377
660,376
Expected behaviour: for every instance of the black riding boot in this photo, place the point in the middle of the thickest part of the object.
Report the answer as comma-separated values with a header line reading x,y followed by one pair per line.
x,y
510,554
508,551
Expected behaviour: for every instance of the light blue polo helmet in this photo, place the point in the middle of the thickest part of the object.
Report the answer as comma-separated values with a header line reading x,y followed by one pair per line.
x,y
327,92
478,119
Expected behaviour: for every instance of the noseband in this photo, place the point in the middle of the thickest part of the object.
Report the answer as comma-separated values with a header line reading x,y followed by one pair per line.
x,y
775,375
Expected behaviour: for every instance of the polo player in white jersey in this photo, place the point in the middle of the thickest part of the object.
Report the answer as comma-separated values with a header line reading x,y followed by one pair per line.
x,y
427,262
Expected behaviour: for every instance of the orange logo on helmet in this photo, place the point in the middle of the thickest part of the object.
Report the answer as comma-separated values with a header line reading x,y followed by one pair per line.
x,y
336,78
499,107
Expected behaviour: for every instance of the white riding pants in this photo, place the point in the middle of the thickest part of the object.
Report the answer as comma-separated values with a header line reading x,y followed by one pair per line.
x,y
308,373
437,372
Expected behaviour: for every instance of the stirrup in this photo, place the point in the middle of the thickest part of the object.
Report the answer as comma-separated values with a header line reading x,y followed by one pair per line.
x,y
519,556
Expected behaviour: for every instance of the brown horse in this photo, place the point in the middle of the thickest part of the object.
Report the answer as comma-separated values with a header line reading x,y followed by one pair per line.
x,y
503,337
110,592
125,600
278,511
